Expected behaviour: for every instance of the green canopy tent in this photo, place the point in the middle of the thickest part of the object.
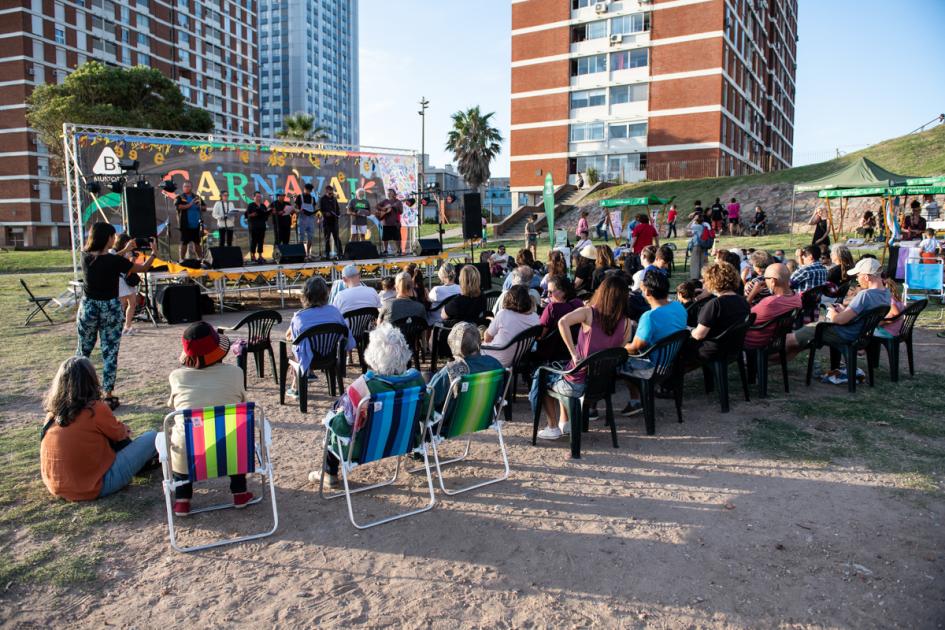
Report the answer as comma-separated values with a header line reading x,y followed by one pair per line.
x,y
647,201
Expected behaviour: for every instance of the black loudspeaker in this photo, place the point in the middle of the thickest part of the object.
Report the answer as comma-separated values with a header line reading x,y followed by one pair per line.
x,y
428,247
472,216
179,303
289,254
223,257
142,220
360,250
485,274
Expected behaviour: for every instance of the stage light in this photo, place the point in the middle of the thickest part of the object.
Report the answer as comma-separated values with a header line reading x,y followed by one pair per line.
x,y
129,165
409,202
94,188
169,186
142,183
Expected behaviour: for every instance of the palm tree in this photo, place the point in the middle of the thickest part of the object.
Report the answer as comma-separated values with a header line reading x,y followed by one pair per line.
x,y
302,126
474,143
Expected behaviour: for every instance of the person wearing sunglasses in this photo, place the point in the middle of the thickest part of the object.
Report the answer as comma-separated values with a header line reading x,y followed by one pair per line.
x,y
782,300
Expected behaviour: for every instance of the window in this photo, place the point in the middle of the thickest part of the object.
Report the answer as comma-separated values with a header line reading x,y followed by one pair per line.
x,y
629,93
624,59
591,30
587,132
580,4
60,36
588,162
587,98
589,65
628,130
636,23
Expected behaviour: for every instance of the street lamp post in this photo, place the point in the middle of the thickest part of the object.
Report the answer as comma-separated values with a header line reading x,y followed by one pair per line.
x,y
424,104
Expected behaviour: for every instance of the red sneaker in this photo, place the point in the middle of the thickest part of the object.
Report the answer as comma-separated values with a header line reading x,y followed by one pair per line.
x,y
242,499
181,507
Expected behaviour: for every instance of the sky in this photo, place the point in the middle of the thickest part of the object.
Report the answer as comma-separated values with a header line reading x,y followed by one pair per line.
x,y
867,71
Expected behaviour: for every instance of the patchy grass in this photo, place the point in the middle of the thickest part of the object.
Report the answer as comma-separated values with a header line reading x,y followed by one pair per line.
x,y
46,261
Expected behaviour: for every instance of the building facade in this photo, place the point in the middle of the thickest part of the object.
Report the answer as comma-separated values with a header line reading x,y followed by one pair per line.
x,y
497,201
650,89
207,46
308,63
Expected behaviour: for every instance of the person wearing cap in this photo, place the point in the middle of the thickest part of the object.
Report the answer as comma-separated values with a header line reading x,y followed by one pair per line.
x,y
315,311
354,295
359,209
281,212
203,380
305,208
328,205
389,211
465,343
584,268
843,329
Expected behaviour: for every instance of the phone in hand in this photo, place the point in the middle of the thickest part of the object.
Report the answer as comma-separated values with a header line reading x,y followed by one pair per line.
x,y
142,243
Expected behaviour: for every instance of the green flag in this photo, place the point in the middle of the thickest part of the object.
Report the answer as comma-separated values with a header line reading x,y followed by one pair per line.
x,y
549,196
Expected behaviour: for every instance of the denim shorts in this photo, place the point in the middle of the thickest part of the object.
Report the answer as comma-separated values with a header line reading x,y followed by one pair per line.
x,y
565,387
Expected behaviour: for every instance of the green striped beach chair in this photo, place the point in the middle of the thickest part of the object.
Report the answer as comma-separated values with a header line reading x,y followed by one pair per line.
x,y
473,404
219,441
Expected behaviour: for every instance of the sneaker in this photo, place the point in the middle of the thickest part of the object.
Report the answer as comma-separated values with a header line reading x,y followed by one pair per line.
x,y
127,332
291,393
182,507
633,407
549,434
241,499
565,427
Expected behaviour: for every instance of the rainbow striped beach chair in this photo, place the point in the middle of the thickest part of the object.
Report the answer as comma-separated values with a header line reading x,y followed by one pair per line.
x,y
392,421
473,404
220,441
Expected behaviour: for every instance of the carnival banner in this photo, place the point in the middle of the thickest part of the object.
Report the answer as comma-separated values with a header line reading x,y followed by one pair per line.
x,y
240,169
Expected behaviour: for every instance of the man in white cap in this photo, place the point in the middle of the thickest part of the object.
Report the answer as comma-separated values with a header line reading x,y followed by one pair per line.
x,y
874,294
354,295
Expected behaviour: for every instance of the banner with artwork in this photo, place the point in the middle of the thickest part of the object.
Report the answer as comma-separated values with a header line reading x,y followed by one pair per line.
x,y
241,169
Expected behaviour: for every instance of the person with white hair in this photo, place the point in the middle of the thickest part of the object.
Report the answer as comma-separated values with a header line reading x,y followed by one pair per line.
x,y
405,304
387,354
354,295
465,344
359,209
440,293
520,276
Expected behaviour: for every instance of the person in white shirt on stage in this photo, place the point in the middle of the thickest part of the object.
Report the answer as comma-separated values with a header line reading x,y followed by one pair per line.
x,y
225,215
354,295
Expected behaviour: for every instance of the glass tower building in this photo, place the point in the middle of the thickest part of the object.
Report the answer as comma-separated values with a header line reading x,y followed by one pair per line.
x,y
308,63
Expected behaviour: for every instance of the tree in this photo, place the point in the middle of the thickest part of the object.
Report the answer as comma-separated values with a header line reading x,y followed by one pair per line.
x,y
474,143
302,126
96,94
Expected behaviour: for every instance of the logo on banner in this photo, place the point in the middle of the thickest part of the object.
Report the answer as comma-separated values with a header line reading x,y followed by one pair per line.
x,y
107,163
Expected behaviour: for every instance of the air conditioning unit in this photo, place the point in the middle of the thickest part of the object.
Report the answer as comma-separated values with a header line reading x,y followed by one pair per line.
x,y
30,71
36,187
616,39
600,7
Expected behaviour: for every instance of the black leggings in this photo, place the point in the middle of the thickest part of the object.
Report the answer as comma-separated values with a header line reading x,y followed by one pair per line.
x,y
257,236
226,237
186,491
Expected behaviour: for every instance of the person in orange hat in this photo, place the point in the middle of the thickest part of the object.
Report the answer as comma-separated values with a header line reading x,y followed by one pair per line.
x,y
203,380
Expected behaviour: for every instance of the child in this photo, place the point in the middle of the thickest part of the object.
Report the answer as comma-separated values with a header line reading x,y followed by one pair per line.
x,y
387,291
531,235
929,246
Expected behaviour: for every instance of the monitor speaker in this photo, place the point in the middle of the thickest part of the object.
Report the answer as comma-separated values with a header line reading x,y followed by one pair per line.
x,y
289,254
142,221
179,303
472,216
428,247
360,250
223,257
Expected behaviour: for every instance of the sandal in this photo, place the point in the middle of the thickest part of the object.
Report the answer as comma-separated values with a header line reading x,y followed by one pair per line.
x,y
112,402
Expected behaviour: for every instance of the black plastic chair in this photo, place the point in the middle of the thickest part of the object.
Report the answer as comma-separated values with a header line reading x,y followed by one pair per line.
x,y
258,328
810,305
522,343
869,320
439,348
778,328
599,385
414,329
361,322
492,296
38,303
842,291
663,355
328,344
908,317
715,372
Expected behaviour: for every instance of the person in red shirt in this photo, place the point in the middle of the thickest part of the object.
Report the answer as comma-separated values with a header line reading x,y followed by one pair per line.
x,y
643,234
782,300
671,222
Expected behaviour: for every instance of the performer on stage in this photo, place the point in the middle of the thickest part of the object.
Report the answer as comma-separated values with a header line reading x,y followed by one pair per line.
x,y
281,219
257,214
225,215
328,204
189,207
389,212
359,209
305,209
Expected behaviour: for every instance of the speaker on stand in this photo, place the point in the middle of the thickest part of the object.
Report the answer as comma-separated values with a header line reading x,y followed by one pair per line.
x,y
472,221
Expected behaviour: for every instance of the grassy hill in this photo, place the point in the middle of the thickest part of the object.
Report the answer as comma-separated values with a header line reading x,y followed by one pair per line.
x,y
920,154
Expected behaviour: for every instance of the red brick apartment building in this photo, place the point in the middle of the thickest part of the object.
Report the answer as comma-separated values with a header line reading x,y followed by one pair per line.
x,y
653,89
207,46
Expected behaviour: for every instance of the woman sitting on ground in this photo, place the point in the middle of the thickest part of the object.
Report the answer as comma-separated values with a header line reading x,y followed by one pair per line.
x,y
203,380
517,315
315,311
604,264
470,304
465,343
727,308
85,452
841,262
442,292
603,324
387,354
756,288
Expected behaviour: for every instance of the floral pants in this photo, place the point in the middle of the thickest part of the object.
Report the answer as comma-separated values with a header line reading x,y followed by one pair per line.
x,y
102,319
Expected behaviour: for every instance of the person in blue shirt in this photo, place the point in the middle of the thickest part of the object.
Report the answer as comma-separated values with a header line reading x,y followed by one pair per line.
x,y
663,319
189,208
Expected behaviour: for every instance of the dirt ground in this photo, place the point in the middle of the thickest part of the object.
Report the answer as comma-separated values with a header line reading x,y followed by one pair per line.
x,y
683,529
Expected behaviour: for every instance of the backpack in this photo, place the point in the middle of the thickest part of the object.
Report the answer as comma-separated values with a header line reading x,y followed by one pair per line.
x,y
707,238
